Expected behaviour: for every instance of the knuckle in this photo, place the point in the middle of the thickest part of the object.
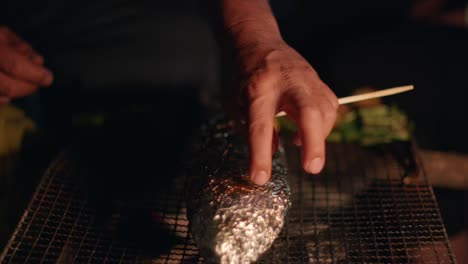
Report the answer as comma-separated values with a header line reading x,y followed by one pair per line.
x,y
330,113
311,109
276,62
254,90
10,65
258,84
272,56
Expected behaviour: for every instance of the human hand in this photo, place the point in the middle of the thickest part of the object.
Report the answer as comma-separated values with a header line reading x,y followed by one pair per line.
x,y
274,77
21,67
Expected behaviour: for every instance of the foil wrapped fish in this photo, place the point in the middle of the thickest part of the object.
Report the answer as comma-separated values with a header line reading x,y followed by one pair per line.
x,y
231,219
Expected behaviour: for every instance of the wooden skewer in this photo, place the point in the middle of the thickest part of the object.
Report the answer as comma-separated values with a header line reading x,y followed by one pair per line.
x,y
366,96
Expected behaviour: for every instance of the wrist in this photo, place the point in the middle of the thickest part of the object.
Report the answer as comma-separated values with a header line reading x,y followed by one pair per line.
x,y
252,37
255,31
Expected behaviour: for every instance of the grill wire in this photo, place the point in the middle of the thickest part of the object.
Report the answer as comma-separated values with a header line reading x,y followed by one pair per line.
x,y
356,211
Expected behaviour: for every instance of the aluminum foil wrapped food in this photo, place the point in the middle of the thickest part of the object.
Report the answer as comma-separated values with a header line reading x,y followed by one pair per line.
x,y
232,220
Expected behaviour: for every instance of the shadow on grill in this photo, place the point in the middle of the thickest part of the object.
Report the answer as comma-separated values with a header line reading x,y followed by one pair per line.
x,y
357,211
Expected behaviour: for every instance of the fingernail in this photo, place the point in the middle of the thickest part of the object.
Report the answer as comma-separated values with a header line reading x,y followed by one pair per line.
x,y
38,59
260,177
314,166
48,78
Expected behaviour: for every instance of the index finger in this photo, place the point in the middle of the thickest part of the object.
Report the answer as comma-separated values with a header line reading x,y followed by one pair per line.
x,y
262,112
17,65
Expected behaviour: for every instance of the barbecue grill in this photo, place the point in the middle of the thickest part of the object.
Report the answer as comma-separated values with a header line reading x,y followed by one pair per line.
x,y
357,211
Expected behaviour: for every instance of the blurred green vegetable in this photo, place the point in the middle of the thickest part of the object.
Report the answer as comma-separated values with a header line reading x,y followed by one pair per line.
x,y
370,125
14,124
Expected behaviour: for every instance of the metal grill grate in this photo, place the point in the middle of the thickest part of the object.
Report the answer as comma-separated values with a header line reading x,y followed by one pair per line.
x,y
357,211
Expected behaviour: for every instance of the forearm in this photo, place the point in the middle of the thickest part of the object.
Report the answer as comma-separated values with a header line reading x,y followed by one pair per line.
x,y
250,20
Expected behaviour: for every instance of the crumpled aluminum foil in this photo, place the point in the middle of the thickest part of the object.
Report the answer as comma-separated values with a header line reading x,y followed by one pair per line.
x,y
231,219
